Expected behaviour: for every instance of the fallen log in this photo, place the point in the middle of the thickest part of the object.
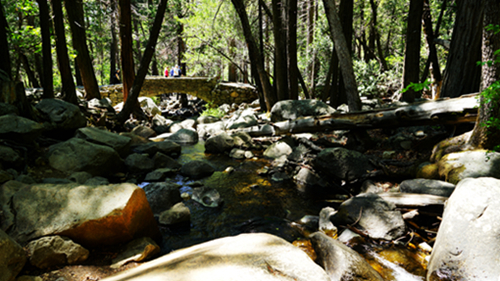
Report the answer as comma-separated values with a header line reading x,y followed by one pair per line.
x,y
441,112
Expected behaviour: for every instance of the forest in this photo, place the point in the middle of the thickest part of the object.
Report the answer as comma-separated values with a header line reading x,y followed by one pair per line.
x,y
373,119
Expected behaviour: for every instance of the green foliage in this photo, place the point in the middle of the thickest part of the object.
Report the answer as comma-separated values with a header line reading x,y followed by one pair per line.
x,y
417,87
373,83
213,111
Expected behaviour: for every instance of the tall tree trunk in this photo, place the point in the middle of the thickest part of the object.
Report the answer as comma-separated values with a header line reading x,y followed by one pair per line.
x,y
487,137
353,100
280,49
376,35
462,74
412,50
346,10
255,56
4,46
232,69
126,50
293,84
48,82
429,37
78,75
311,17
74,9
27,67
68,85
114,45
131,104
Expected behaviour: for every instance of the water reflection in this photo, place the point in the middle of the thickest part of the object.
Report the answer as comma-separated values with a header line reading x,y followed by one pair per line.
x,y
254,204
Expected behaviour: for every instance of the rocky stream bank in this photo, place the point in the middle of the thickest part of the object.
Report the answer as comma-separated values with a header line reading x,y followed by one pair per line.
x,y
188,197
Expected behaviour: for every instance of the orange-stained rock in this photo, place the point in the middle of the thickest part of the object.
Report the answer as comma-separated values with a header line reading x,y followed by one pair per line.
x,y
90,215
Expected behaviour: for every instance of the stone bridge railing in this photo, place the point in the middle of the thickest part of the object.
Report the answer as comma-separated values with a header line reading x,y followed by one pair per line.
x,y
207,89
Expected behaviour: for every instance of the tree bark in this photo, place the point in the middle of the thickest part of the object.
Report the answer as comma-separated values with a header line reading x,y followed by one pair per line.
x,y
429,37
487,137
74,9
462,74
353,100
4,45
293,84
48,82
255,56
126,50
68,85
131,103
412,50
280,50
114,45
29,72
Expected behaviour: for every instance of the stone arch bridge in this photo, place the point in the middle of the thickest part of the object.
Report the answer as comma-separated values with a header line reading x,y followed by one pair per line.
x,y
208,89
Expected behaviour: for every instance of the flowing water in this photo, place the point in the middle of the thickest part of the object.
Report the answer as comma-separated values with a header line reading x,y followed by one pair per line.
x,y
254,204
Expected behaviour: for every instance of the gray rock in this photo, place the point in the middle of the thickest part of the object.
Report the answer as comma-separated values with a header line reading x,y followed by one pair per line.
x,y
325,224
149,106
237,153
161,124
138,250
278,149
62,115
89,215
12,258
426,186
184,136
80,177
77,155
164,161
185,124
19,129
7,108
7,191
245,118
167,147
52,251
467,245
139,163
162,196
375,216
298,153
9,158
96,181
177,214
26,179
160,174
455,167
211,129
243,140
219,144
143,131
56,181
207,119
246,257
343,164
293,109
208,197
341,262
307,180
197,169
98,136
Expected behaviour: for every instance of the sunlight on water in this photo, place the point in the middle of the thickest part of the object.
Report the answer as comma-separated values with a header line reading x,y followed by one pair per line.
x,y
398,273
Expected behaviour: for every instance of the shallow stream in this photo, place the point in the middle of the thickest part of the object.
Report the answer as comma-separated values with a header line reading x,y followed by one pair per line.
x,y
254,204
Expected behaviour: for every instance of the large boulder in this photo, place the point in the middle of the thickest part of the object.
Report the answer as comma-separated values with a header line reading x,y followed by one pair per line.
x,y
242,119
9,158
89,215
219,144
457,166
12,258
197,169
293,109
427,186
251,257
19,129
76,155
467,246
61,115
373,215
343,164
184,136
139,163
162,196
7,190
98,136
341,262
278,149
55,250
167,147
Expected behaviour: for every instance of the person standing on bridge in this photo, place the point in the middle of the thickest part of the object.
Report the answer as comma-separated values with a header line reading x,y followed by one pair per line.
x,y
176,71
165,72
